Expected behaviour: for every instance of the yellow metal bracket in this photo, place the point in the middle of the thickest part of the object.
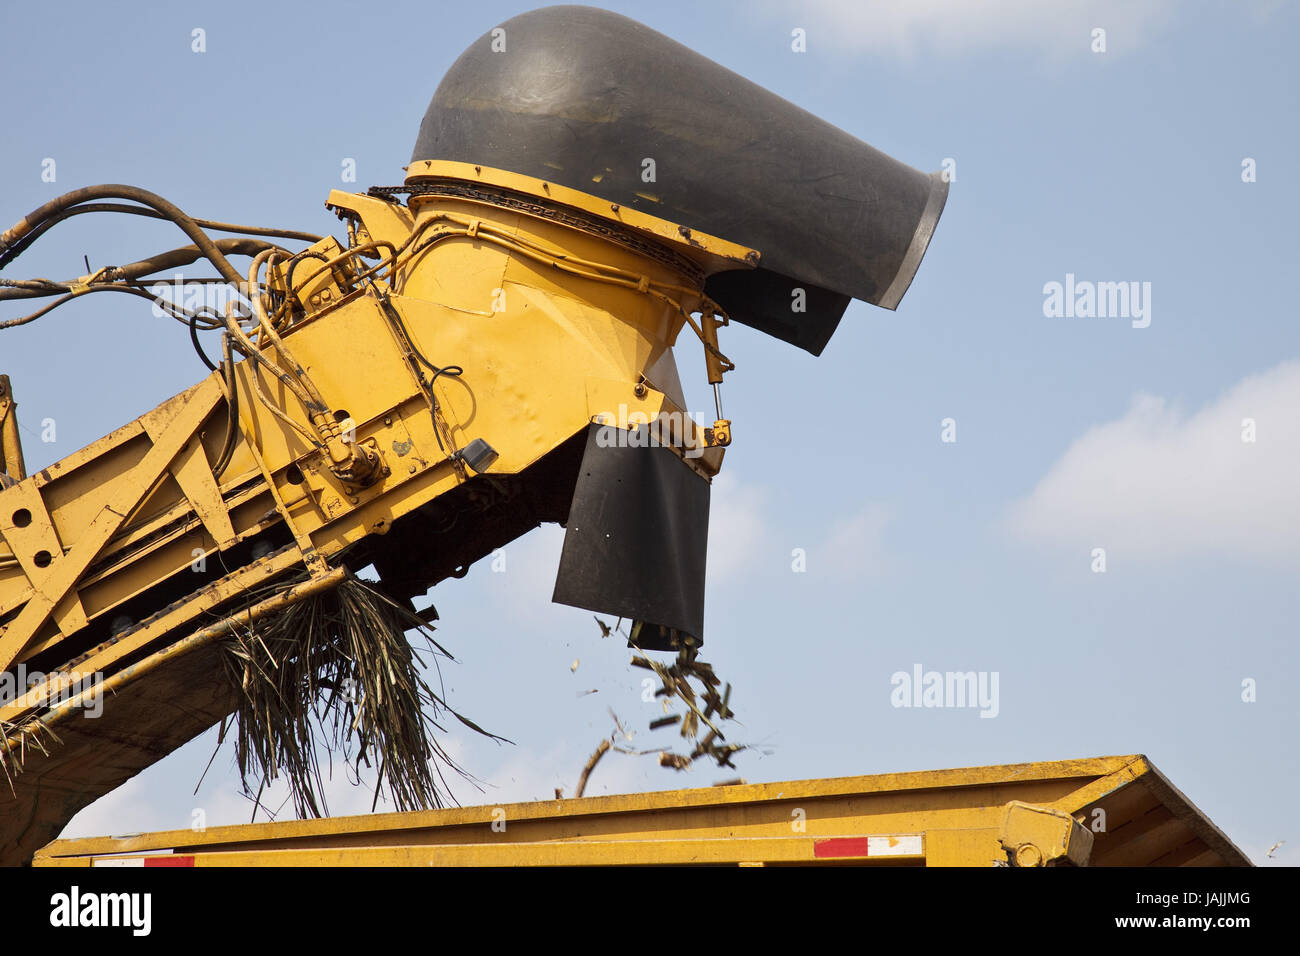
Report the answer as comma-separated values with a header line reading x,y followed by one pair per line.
x,y
105,657
717,364
710,252
194,474
1043,836
12,467
61,576
224,628
379,218
27,528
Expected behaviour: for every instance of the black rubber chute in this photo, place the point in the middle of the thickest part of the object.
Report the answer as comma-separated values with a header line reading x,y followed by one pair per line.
x,y
583,97
637,537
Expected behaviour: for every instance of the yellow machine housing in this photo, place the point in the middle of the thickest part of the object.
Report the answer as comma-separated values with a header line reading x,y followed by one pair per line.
x,y
1107,811
562,313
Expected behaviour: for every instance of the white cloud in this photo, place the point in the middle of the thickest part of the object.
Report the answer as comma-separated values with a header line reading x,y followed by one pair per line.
x,y
911,27
737,526
742,538
1158,483
855,546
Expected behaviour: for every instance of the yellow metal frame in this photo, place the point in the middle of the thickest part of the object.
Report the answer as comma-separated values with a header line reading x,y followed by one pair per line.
x,y
135,503
712,253
561,305
12,467
1031,814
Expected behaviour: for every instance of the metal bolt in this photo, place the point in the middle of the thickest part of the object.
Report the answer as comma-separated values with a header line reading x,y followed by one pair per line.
x,y
640,390
1028,855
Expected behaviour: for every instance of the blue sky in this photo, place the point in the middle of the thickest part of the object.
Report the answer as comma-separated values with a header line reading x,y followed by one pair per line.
x,y
1072,433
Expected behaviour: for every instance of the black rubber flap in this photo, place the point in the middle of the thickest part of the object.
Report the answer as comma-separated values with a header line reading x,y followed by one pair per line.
x,y
583,97
637,537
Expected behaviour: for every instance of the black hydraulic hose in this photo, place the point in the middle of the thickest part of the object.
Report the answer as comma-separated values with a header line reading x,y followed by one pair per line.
x,y
23,320
192,322
29,289
133,271
452,371
294,262
167,210
185,255
179,312
18,247
232,408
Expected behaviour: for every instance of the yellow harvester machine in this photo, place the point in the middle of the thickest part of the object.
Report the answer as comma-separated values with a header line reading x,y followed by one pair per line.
x,y
484,348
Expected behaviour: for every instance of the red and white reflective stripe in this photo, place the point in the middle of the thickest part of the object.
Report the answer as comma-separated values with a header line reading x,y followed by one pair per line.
x,y
868,846
161,860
